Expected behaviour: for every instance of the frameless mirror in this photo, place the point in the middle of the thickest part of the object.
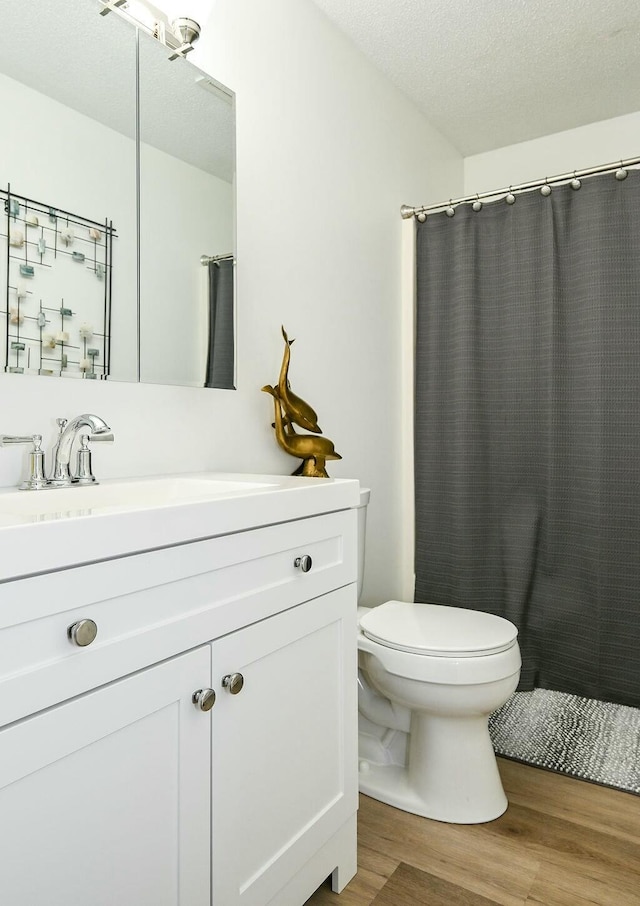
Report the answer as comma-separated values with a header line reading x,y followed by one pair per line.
x,y
187,155
73,249
68,180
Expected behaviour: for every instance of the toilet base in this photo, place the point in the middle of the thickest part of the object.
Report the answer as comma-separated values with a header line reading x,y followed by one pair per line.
x,y
451,773
390,784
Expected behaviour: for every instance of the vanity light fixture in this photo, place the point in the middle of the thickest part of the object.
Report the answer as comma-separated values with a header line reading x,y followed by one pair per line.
x,y
179,34
187,31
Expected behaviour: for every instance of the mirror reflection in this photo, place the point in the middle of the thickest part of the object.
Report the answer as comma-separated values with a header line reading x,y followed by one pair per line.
x,y
186,214
93,288
68,166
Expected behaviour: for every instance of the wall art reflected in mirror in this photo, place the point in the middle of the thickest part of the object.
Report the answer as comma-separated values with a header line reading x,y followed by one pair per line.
x,y
137,303
68,96
58,268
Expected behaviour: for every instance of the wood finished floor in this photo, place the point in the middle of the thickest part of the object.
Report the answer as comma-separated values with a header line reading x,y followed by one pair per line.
x,y
561,842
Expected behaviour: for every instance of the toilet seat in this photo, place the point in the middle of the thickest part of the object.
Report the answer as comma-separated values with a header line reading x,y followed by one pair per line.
x,y
443,659
435,630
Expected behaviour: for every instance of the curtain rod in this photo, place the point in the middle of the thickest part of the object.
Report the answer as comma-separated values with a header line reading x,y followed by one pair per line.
x,y
210,259
406,211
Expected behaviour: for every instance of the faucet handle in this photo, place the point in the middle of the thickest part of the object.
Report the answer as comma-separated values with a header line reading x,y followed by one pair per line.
x,y
37,478
9,439
104,437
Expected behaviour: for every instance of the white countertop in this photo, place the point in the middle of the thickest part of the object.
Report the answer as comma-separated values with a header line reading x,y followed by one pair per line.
x,y
53,529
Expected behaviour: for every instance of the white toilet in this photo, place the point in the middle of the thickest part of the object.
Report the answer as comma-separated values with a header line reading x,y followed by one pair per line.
x,y
429,677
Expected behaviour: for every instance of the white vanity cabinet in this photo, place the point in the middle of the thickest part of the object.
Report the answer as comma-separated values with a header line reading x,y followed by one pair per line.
x,y
283,755
105,799
115,787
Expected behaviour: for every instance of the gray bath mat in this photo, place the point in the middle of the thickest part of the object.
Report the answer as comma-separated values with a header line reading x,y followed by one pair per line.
x,y
592,740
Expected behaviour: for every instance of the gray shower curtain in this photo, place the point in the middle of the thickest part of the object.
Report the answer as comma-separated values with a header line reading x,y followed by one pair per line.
x,y
527,427
220,359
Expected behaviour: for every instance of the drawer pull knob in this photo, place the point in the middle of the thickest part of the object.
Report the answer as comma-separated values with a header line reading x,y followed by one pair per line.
x,y
233,682
82,633
304,563
204,699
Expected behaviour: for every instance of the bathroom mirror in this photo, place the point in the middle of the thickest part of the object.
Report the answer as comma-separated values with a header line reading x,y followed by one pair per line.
x,y
67,85
100,264
187,138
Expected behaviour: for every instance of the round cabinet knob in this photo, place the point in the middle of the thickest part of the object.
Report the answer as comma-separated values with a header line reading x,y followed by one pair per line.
x,y
204,699
82,633
304,563
233,682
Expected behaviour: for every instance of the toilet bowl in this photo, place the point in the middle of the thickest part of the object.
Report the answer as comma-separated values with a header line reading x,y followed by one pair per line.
x,y
429,676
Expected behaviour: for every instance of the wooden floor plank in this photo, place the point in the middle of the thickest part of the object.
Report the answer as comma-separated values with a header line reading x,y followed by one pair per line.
x,y
408,886
599,807
485,864
565,844
562,842
376,862
568,886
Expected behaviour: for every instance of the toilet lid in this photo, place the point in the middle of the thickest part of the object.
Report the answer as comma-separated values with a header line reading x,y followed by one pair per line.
x,y
438,631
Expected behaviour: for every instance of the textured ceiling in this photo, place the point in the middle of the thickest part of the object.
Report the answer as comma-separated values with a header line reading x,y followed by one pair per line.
x,y
489,73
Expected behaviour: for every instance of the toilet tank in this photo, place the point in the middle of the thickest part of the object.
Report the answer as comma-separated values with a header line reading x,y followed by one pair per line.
x,y
365,494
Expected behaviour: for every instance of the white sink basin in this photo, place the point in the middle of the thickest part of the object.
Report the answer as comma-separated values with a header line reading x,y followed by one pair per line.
x,y
62,528
120,496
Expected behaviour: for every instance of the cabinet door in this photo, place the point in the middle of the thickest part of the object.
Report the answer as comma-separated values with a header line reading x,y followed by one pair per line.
x,y
105,799
284,747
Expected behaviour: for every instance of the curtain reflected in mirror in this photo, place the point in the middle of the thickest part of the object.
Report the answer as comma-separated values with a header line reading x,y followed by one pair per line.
x,y
220,347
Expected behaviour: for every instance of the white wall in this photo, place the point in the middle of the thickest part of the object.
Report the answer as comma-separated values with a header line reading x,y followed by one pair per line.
x,y
327,151
562,152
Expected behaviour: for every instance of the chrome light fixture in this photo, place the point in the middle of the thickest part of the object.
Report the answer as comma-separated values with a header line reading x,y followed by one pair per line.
x,y
187,31
179,34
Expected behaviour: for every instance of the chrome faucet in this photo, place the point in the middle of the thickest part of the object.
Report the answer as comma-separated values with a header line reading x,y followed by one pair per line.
x,y
69,430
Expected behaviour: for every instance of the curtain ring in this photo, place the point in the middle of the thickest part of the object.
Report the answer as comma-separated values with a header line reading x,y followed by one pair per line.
x,y
421,216
621,173
546,188
575,182
450,211
477,204
510,198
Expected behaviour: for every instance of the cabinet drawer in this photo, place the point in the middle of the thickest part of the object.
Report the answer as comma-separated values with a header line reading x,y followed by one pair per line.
x,y
151,606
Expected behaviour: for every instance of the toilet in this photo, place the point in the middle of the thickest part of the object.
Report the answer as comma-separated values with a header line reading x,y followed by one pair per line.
x,y
429,676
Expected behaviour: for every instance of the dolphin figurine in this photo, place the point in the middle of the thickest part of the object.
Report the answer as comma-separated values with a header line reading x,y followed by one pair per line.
x,y
295,409
313,450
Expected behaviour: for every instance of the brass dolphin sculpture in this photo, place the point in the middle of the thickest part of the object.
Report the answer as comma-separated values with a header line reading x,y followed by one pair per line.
x,y
295,409
313,450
